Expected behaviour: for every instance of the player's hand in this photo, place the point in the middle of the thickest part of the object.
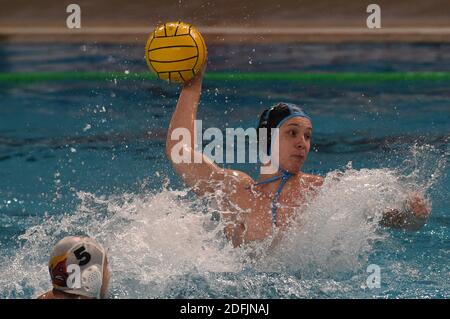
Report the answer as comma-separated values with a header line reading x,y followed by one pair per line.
x,y
418,206
198,78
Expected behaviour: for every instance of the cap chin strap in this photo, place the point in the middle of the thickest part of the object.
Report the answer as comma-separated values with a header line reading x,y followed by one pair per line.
x,y
284,176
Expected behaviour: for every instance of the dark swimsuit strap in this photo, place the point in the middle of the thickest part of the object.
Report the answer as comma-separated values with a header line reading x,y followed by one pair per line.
x,y
284,176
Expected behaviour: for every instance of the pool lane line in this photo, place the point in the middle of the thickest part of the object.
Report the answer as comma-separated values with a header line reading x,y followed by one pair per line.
x,y
25,77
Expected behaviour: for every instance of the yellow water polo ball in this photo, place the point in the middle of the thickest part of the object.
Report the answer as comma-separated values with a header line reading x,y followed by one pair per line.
x,y
175,52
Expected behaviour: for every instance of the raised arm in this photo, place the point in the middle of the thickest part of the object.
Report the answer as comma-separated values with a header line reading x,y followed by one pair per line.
x,y
198,171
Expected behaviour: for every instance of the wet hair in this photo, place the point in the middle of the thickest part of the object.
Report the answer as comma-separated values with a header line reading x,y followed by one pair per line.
x,y
275,116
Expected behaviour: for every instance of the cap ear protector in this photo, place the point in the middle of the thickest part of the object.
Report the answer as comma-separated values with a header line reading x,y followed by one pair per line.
x,y
92,280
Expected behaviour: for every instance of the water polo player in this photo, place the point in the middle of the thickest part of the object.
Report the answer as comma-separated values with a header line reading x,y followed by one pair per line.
x,y
255,210
78,269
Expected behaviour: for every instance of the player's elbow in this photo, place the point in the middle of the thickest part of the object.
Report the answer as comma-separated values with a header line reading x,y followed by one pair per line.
x,y
179,153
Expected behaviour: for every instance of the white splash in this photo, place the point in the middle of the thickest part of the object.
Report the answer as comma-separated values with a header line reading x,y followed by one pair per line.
x,y
336,231
164,244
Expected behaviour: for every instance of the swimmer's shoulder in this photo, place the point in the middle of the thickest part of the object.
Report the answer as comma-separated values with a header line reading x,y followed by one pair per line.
x,y
313,180
47,295
56,294
238,178
237,186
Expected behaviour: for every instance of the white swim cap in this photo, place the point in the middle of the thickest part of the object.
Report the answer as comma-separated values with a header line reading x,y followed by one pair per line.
x,y
76,266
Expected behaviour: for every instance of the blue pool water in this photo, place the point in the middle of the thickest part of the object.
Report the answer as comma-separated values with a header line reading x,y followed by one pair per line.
x,y
87,157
